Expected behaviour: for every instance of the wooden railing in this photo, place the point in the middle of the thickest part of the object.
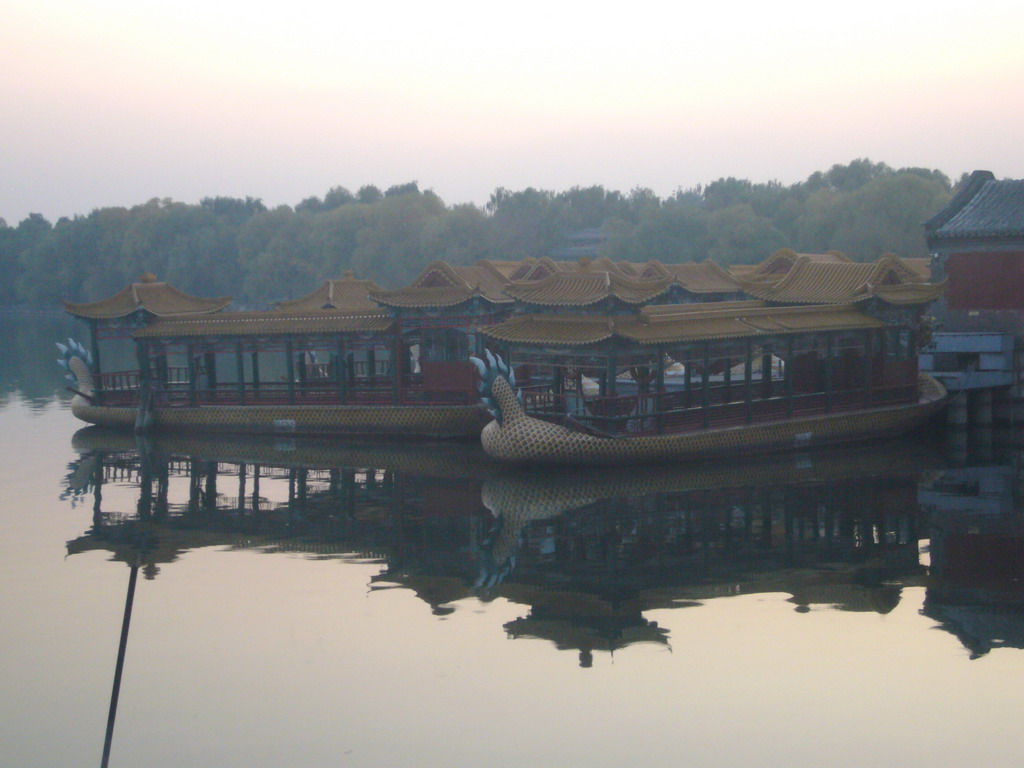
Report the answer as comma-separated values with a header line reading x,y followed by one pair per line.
x,y
320,391
667,412
119,381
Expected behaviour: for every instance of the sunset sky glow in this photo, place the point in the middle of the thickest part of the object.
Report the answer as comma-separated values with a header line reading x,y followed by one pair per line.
x,y
114,103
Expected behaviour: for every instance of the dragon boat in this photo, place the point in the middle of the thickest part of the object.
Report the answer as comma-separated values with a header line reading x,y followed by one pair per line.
x,y
518,438
821,350
348,359
621,362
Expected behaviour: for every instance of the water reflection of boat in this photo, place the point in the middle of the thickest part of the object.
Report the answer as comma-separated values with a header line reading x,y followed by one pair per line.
x,y
450,459
590,552
518,498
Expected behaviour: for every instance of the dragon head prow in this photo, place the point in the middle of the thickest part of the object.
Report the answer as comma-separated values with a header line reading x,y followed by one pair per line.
x,y
77,361
497,388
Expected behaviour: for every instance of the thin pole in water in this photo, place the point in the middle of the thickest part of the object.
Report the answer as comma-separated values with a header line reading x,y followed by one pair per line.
x,y
120,665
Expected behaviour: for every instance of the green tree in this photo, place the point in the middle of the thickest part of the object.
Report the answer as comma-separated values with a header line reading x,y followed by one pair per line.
x,y
336,237
389,247
528,223
460,235
278,256
737,235
369,194
673,233
855,174
885,215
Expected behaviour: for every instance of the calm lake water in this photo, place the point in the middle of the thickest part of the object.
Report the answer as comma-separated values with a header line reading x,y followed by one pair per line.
x,y
311,604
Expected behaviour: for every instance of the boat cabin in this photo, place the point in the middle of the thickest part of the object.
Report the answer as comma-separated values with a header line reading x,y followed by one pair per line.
x,y
614,348
828,336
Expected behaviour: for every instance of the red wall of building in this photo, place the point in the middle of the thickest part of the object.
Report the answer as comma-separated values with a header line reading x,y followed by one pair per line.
x,y
985,280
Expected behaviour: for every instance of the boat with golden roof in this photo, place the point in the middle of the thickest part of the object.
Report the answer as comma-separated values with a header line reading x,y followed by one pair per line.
x,y
826,353
608,350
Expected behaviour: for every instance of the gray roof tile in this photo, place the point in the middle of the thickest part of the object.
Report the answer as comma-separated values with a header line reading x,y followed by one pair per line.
x,y
995,209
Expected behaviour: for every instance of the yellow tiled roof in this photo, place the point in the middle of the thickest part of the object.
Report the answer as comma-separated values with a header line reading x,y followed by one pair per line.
x,y
522,270
652,312
442,285
486,279
742,271
702,277
682,323
818,282
783,260
423,297
156,298
347,294
604,264
267,323
694,276
744,319
543,267
506,268
923,267
910,293
560,329
584,288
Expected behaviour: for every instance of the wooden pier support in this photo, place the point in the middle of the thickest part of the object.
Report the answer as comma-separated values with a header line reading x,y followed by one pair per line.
x,y
1002,407
981,409
956,412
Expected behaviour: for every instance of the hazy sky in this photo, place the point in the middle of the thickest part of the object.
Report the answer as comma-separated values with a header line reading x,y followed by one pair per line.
x,y
110,102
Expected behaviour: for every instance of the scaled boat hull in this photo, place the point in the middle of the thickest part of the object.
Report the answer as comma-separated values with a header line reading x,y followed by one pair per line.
x,y
521,439
395,420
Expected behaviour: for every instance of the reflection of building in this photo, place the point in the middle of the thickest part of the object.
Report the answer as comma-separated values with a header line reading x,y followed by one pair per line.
x,y
840,543
277,496
976,587
588,552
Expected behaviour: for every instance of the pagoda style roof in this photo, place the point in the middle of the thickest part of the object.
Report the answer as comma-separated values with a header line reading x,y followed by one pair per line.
x,y
442,285
508,269
538,269
984,208
744,319
347,294
487,279
521,269
776,266
910,293
157,298
554,329
586,287
824,282
694,276
606,629
682,323
604,264
923,267
267,324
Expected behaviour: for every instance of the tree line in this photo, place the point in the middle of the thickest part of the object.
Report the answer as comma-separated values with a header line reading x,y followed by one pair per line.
x,y
242,248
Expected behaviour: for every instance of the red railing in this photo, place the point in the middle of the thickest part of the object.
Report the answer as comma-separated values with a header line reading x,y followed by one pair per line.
x,y
321,392
667,412
119,381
